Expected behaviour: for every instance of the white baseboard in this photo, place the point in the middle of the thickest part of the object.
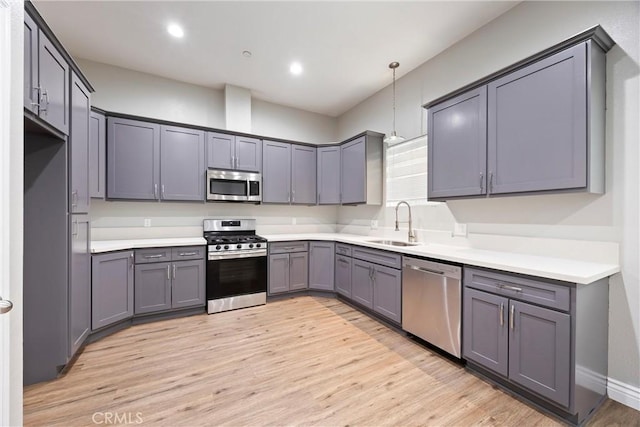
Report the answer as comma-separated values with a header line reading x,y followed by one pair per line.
x,y
624,393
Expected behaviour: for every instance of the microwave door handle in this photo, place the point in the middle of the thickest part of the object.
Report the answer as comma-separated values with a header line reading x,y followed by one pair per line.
x,y
248,193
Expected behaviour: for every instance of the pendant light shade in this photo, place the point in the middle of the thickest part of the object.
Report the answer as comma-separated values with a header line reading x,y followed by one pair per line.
x,y
393,138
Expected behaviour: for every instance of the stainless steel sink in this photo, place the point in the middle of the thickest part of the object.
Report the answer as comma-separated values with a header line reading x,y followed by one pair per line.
x,y
392,243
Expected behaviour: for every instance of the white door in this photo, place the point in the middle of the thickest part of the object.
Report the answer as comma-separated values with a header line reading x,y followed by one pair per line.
x,y
11,213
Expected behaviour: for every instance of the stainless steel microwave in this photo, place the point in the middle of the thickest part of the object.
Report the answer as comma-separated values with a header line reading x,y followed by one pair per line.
x,y
234,186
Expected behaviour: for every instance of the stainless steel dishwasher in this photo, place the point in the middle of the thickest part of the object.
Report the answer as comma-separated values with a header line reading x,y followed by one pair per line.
x,y
431,300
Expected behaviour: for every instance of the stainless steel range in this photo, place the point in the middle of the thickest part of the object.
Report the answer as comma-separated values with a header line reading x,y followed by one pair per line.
x,y
236,264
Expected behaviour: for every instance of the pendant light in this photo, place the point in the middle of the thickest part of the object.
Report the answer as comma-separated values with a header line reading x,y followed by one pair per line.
x,y
393,138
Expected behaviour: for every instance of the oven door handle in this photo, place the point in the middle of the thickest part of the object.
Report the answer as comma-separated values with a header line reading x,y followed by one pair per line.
x,y
214,256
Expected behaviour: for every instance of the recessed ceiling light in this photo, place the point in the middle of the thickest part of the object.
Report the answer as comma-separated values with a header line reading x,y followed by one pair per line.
x,y
246,54
295,68
175,30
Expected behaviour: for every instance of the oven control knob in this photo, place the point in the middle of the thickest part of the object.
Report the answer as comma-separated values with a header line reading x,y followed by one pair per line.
x,y
250,245
239,246
218,247
258,245
226,246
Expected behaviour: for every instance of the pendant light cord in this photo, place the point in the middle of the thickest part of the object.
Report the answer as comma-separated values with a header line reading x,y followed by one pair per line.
x,y
394,101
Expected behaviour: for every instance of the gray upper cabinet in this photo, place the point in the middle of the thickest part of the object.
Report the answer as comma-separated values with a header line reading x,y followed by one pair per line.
x,y
97,155
111,288
31,92
79,283
53,84
303,175
233,152
79,150
537,129
387,292
188,287
133,166
182,168
361,170
361,282
276,172
343,275
321,265
328,179
486,331
152,287
458,146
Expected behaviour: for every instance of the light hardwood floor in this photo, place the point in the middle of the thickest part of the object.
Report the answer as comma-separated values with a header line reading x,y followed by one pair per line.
x,y
301,361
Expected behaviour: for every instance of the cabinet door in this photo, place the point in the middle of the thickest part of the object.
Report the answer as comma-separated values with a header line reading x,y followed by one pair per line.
x,y
303,175
248,154
188,287
133,159
298,270
30,64
220,150
53,81
182,169
111,288
387,292
328,179
321,265
540,350
79,150
79,283
361,282
278,273
537,127
276,172
353,171
97,155
343,275
485,330
152,287
457,148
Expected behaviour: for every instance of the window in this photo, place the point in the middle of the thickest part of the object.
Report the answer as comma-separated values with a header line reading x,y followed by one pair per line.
x,y
406,172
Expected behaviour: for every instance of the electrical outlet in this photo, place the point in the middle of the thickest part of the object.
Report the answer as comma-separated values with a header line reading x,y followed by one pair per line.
x,y
374,224
460,230
147,222
294,221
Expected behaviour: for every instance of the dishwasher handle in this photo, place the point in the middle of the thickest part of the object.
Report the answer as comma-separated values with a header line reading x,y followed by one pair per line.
x,y
430,267
426,270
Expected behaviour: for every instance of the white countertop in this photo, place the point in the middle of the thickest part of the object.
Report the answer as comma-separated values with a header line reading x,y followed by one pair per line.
x,y
567,270
99,246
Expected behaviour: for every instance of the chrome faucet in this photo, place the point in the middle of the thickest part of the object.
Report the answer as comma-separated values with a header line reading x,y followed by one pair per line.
x,y
412,236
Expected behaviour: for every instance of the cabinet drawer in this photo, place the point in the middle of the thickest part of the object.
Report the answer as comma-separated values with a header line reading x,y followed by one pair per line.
x,y
342,249
153,255
537,291
379,257
182,253
288,247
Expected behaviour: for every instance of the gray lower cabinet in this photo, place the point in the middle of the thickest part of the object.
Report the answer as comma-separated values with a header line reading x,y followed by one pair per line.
x,y
169,278
276,172
288,267
303,175
343,275
361,282
182,164
387,292
79,146
97,155
79,283
539,335
328,179
225,151
321,265
111,288
133,159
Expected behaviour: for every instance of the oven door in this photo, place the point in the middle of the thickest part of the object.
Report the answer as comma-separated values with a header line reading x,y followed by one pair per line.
x,y
232,277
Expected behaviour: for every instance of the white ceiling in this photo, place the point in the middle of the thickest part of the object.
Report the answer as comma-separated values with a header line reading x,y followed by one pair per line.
x,y
345,47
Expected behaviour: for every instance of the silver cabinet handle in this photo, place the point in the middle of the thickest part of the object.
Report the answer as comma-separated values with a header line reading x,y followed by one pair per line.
x,y
509,287
511,318
5,306
155,191
153,256
490,181
74,229
293,196
74,198
501,314
481,182
288,196
163,191
131,260
168,272
187,253
44,98
174,272
37,89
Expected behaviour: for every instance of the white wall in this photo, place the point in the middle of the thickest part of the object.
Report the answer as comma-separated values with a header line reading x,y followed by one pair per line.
x,y
524,30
